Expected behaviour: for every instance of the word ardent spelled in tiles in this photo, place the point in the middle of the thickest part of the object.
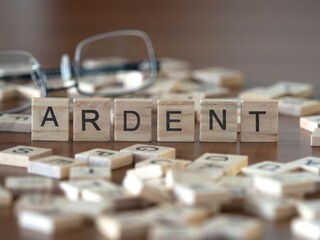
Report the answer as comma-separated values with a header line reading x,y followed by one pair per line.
x,y
161,197
175,120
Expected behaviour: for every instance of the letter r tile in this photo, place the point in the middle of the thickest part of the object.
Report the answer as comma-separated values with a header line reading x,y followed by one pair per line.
x,y
91,119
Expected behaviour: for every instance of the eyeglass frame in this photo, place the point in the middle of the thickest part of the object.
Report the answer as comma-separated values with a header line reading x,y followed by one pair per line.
x,y
67,71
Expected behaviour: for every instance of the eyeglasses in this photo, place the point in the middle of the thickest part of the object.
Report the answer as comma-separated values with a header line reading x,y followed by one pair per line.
x,y
106,65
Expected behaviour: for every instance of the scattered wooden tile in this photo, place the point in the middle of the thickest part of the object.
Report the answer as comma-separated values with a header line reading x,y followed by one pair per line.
x,y
261,93
50,119
49,221
243,227
126,225
105,158
219,76
305,229
163,86
310,164
166,231
39,201
203,194
175,120
28,184
296,89
29,90
142,152
175,214
310,123
288,184
20,156
218,120
270,208
90,173
293,106
211,171
5,198
74,189
259,121
7,91
54,166
165,163
15,123
91,119
132,120
309,209
170,65
315,137
267,168
230,164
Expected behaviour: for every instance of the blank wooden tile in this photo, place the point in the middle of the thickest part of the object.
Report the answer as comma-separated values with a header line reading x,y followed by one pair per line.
x,y
293,106
126,225
267,168
29,90
164,85
172,65
49,221
310,164
105,158
15,123
219,76
5,198
91,119
54,166
165,163
218,120
74,189
315,137
259,121
28,184
297,183
243,227
175,120
309,209
310,123
50,119
133,120
230,164
305,228
90,173
142,152
20,156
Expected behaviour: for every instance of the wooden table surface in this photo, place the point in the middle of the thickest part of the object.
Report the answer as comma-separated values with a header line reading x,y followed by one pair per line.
x,y
269,41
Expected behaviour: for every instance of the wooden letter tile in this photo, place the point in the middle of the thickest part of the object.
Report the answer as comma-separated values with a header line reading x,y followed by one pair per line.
x,y
133,120
142,152
50,119
90,173
165,163
91,119
105,158
315,137
310,123
218,120
53,166
15,123
28,184
259,121
20,156
175,120
267,168
293,106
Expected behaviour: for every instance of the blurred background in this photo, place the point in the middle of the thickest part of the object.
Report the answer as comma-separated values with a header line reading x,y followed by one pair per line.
x,y
269,41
